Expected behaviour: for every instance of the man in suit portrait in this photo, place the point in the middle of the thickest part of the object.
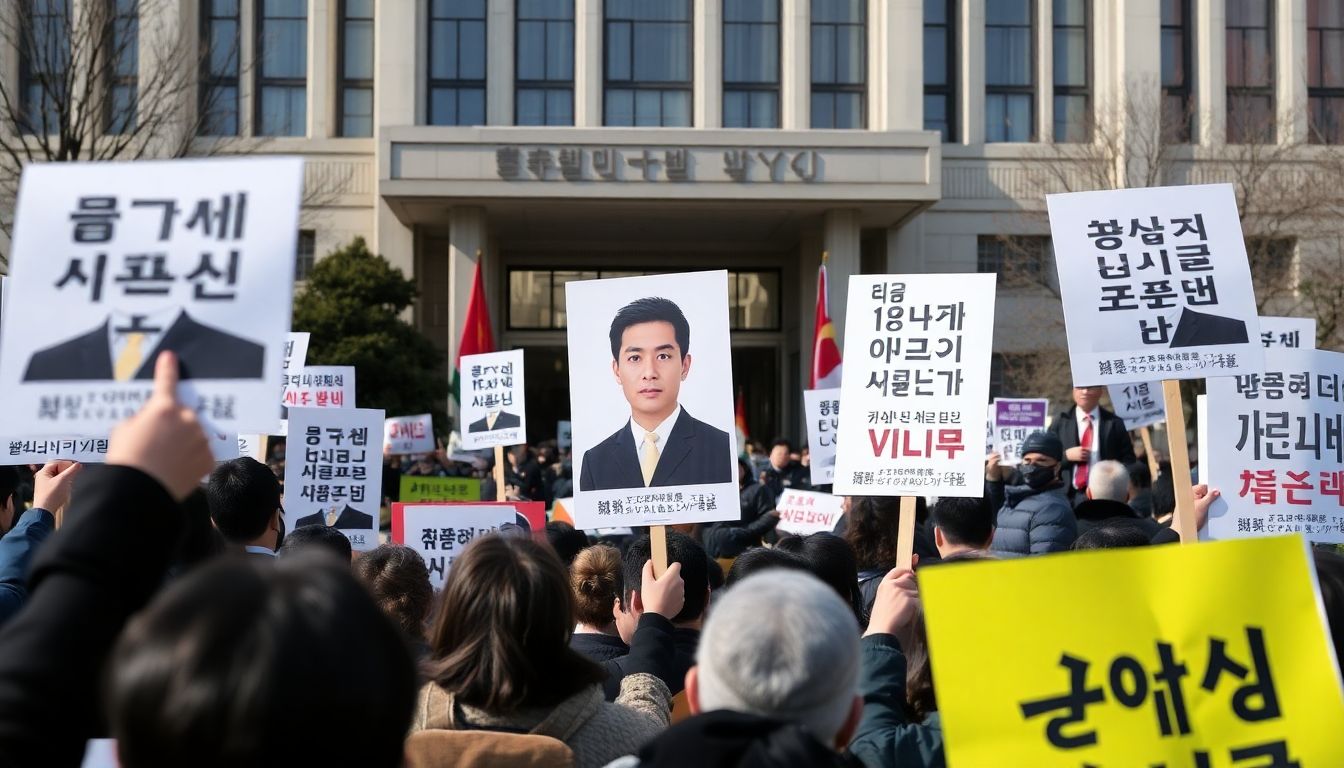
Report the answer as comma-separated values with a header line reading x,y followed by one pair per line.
x,y
125,348
1090,434
342,517
661,444
495,420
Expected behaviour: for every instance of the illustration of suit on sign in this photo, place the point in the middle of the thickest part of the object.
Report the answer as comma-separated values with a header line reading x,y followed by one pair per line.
x,y
349,518
503,420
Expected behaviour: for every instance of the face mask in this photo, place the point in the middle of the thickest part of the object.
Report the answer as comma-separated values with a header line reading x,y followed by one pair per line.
x,y
1037,477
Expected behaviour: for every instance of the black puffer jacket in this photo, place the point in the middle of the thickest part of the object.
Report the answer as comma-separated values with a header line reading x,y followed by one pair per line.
x,y
1033,522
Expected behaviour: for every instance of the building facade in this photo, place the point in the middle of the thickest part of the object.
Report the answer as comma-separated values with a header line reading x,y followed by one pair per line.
x,y
560,140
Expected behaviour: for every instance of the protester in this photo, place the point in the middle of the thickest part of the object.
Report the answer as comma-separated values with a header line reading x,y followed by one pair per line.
x,y
319,537
783,472
398,579
962,525
1163,499
24,535
1330,576
1035,517
501,659
872,530
1089,433
566,541
758,520
1112,534
1108,486
683,550
595,580
1141,489
761,559
775,681
831,559
244,498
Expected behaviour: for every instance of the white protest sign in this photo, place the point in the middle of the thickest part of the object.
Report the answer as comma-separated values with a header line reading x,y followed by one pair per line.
x,y
115,262
805,512
822,408
440,532
989,430
1014,419
223,445
493,406
334,471
1138,403
1155,284
1276,448
668,372
917,351
1202,436
40,450
1291,332
296,356
321,386
564,434
409,434
252,445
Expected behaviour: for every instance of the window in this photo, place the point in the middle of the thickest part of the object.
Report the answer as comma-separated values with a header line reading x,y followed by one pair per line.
x,y
1177,71
123,61
1325,70
354,102
545,63
940,68
1019,260
45,65
218,102
457,62
1073,70
1250,71
648,67
839,63
306,254
1010,71
751,64
282,68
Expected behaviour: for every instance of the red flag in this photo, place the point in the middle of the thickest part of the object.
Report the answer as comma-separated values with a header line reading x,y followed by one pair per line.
x,y
740,421
476,335
825,351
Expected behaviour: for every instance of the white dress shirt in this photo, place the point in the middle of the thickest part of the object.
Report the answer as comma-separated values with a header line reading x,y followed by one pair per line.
x,y
1078,413
662,430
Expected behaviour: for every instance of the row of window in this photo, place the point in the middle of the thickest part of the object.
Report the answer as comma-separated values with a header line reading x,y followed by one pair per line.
x,y
647,66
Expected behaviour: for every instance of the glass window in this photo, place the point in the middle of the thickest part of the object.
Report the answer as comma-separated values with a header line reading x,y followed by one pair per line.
x,y
354,102
1019,260
544,64
282,68
1072,70
1177,71
839,63
648,63
751,64
45,65
1250,72
218,107
1325,70
1010,72
1272,264
306,254
123,61
940,68
457,62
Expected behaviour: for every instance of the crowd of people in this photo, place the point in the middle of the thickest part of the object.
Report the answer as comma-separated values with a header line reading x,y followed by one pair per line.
x,y
183,621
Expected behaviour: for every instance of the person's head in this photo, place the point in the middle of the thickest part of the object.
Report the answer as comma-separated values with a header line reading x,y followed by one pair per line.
x,y
1042,453
1086,398
781,453
1140,478
650,357
566,541
831,559
398,579
9,497
230,662
1330,575
962,524
244,499
500,641
744,476
1118,534
1164,496
1108,481
794,659
694,572
595,580
872,528
317,537
759,559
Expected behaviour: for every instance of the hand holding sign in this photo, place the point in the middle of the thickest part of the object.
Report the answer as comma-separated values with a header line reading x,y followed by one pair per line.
x,y
51,487
664,595
164,440
896,605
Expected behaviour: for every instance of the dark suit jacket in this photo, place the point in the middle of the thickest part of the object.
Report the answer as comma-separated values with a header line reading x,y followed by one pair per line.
x,y
350,518
202,351
695,454
1198,328
504,420
1113,444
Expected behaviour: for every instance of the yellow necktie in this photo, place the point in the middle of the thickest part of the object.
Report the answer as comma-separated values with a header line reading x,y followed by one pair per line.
x,y
649,460
130,358
331,517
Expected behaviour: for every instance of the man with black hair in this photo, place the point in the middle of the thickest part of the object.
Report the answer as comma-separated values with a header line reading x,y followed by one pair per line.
x,y
783,472
320,538
629,608
244,498
962,525
661,445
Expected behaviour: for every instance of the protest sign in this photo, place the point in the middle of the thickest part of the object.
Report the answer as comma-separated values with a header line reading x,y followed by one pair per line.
x,y
564,434
190,256
1014,419
493,408
1291,332
417,488
1138,403
296,356
1117,668
40,450
917,350
254,446
321,386
650,356
334,471
408,434
1202,438
1155,284
440,532
989,430
223,445
1276,448
805,512
822,407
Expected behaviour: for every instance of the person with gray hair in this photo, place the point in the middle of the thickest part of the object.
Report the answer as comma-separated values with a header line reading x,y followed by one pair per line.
x,y
775,682
1108,480
1106,505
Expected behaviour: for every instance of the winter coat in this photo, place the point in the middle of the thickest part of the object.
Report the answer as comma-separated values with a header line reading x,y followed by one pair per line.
x,y
885,737
1033,522
726,739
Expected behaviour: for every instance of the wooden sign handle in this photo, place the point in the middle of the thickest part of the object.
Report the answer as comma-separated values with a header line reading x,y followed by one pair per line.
x,y
658,545
905,534
499,473
1147,436
1184,520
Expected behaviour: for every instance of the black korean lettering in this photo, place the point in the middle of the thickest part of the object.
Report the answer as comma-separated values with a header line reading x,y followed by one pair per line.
x,y
93,218
1074,704
206,271
1257,700
170,212
74,272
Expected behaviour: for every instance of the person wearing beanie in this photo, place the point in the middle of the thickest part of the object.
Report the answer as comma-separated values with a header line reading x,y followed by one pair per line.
x,y
1036,516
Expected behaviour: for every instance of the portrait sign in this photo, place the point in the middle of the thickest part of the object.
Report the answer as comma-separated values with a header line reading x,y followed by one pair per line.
x,y
334,471
493,408
822,407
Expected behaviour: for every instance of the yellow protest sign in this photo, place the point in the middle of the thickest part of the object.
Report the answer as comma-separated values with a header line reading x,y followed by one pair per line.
x,y
1206,656
415,488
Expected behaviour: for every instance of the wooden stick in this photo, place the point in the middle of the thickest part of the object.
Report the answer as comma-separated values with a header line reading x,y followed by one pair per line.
x,y
265,448
1184,520
499,473
905,533
1148,451
658,543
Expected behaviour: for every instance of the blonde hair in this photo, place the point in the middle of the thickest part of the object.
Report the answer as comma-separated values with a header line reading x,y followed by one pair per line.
x,y
595,580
